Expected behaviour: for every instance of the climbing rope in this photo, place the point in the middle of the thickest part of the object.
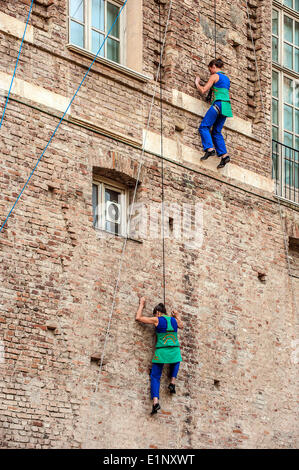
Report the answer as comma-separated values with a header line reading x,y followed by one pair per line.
x,y
65,112
162,164
130,217
11,83
215,24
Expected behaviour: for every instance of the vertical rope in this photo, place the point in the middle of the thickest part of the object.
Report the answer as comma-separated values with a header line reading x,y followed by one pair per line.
x,y
215,23
162,161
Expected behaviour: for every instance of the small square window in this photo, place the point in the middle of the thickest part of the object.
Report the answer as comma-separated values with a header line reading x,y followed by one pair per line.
x,y
109,204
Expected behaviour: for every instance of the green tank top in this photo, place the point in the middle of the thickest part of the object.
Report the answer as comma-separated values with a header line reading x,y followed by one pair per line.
x,y
167,346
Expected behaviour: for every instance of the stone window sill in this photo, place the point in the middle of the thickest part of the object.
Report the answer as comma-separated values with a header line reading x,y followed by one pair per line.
x,y
109,63
104,235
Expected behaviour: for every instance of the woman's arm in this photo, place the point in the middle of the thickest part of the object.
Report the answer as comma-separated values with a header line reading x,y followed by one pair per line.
x,y
147,320
203,89
176,315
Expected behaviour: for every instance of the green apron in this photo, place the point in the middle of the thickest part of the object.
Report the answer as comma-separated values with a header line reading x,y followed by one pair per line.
x,y
167,346
222,94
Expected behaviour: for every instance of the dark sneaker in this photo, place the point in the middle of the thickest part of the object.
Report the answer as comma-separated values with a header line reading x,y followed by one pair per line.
x,y
156,407
223,162
172,388
208,153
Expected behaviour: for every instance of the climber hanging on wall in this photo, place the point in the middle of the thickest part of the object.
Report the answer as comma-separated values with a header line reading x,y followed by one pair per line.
x,y
167,347
213,142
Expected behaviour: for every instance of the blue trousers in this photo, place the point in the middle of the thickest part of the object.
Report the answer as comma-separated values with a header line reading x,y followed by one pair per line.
x,y
156,376
214,138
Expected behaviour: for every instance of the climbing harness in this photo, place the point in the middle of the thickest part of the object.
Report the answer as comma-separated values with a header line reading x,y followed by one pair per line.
x,y
11,83
131,212
64,114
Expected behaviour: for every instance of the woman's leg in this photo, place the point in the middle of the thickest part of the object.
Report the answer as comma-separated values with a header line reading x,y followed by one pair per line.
x,y
204,128
174,373
155,381
217,136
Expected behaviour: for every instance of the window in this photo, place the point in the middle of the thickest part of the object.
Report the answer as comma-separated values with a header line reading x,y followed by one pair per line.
x,y
109,204
89,23
285,96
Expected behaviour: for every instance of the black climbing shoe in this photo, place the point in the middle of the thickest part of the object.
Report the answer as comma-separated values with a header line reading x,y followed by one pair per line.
x,y
223,162
156,407
208,153
172,388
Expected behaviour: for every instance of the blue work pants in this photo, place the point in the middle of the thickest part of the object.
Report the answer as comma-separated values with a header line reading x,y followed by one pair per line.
x,y
156,376
214,138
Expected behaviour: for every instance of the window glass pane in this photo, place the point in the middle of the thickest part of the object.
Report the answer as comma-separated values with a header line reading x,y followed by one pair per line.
x,y
77,9
288,117
98,14
275,49
274,111
297,33
297,147
288,156
297,60
112,12
296,175
77,34
95,204
113,50
275,133
97,40
275,22
297,5
297,121
297,93
288,90
287,56
275,84
112,211
287,28
288,139
288,3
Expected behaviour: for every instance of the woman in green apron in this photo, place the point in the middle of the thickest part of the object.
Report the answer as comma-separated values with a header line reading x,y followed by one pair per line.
x,y
167,347
213,142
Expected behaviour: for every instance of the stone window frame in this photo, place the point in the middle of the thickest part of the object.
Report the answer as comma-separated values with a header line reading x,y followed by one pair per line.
x,y
103,183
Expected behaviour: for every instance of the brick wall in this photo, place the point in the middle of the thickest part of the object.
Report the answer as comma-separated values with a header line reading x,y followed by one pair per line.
x,y
236,386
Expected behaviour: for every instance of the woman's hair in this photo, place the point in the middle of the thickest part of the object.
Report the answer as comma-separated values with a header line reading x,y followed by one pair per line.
x,y
218,62
159,308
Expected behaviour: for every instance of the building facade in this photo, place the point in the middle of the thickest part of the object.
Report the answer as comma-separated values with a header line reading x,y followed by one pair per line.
x,y
85,239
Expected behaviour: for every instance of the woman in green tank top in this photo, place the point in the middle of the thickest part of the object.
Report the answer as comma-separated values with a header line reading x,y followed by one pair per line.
x,y
167,349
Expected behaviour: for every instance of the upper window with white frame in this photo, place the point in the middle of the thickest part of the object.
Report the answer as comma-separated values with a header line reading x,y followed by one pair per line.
x,y
90,21
285,73
109,203
285,38
285,97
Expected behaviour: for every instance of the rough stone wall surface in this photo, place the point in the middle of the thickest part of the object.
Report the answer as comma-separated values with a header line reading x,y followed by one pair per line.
x,y
237,382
